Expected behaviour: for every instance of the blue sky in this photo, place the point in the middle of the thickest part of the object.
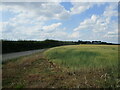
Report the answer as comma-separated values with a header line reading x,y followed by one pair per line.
x,y
60,21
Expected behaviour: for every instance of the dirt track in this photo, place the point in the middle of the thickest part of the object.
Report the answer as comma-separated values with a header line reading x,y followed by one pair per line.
x,y
18,54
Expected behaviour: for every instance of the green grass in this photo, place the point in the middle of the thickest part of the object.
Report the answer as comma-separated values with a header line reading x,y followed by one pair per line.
x,y
100,60
49,69
84,56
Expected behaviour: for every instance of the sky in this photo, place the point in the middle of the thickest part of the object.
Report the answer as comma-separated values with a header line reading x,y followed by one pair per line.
x,y
67,21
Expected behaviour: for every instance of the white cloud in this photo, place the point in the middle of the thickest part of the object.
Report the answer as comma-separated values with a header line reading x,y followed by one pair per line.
x,y
80,7
29,22
100,23
111,10
1,24
75,35
95,23
35,32
1,30
100,27
60,0
41,10
51,27
112,34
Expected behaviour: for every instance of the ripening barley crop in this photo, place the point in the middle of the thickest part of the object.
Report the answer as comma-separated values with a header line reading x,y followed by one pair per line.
x,y
84,56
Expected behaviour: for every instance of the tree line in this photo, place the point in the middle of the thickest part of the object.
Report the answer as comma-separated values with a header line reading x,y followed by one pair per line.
x,y
9,46
23,45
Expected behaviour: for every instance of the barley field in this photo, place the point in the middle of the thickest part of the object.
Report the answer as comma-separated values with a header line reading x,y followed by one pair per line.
x,y
84,56
72,66
97,63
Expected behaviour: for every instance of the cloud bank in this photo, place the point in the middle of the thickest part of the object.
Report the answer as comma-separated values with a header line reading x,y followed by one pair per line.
x,y
46,20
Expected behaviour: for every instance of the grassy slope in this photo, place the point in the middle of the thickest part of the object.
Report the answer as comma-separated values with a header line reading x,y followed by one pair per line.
x,y
88,58
36,71
32,72
85,56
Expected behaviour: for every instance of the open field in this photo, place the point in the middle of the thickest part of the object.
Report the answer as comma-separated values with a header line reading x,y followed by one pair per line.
x,y
84,56
74,66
